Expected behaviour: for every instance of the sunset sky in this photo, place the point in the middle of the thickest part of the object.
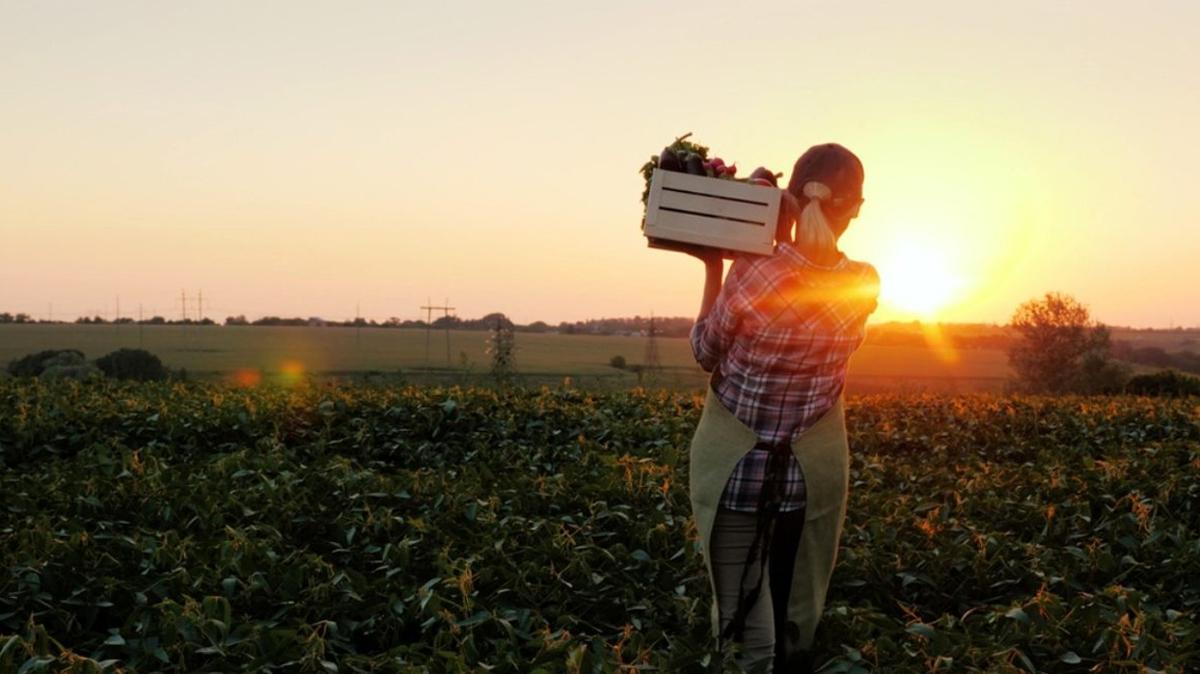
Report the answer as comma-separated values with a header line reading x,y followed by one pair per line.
x,y
300,158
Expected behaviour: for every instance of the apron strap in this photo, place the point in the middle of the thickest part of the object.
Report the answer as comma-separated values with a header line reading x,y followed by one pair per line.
x,y
770,500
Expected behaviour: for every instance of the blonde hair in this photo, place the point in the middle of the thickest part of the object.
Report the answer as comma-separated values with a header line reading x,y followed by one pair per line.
x,y
812,228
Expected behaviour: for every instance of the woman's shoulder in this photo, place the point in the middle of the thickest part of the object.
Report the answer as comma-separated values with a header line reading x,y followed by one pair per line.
x,y
866,270
845,267
864,276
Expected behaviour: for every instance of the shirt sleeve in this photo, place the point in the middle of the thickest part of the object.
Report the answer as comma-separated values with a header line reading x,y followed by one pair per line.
x,y
870,290
712,335
865,301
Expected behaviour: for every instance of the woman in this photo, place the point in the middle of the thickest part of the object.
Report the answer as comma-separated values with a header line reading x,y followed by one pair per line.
x,y
769,460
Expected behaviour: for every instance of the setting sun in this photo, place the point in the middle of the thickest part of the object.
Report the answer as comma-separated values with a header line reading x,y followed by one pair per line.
x,y
918,280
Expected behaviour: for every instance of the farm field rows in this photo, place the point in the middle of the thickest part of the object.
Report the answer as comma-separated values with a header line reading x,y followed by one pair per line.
x,y
217,352
335,527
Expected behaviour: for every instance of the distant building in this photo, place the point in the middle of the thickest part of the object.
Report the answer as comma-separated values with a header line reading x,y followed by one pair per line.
x,y
316,322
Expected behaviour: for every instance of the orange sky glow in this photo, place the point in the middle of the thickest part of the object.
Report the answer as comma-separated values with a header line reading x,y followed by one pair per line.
x,y
318,159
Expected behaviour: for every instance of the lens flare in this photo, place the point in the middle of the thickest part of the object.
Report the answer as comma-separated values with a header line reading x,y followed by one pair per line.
x,y
247,377
939,343
291,372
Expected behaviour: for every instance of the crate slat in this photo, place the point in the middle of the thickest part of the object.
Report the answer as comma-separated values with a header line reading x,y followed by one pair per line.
x,y
738,211
719,187
706,232
711,212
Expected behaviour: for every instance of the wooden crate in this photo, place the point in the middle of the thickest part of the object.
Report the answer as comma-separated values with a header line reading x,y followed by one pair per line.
x,y
700,211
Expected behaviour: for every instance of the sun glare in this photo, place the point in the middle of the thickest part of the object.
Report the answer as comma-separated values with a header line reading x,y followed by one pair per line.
x,y
918,280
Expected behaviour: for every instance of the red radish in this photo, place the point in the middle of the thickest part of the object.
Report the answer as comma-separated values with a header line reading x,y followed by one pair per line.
x,y
764,174
718,162
731,170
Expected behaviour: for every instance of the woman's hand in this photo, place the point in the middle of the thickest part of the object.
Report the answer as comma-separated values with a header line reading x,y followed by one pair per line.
x,y
703,253
709,256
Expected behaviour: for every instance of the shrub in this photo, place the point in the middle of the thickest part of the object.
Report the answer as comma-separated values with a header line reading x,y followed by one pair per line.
x,y
136,364
79,371
1061,349
617,362
35,363
1167,383
502,348
1098,374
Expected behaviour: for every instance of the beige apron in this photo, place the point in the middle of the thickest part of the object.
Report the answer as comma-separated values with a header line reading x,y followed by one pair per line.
x,y
720,441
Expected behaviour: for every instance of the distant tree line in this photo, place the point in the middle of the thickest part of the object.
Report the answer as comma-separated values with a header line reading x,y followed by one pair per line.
x,y
664,326
673,326
1185,361
6,317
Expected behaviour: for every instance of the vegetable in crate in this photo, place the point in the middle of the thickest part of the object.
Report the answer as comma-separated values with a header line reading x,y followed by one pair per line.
x,y
684,156
672,158
763,176
669,161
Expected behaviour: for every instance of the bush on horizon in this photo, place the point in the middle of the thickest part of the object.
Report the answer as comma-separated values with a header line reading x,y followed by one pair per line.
x,y
1167,383
134,364
34,364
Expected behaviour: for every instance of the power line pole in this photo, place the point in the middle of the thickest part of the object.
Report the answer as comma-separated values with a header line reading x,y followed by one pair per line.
x,y
428,326
447,310
200,311
429,309
651,360
183,304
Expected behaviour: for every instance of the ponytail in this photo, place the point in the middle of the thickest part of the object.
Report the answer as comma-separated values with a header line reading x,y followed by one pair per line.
x,y
813,233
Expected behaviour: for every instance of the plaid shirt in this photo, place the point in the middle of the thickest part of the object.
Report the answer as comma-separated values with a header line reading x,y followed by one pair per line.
x,y
781,332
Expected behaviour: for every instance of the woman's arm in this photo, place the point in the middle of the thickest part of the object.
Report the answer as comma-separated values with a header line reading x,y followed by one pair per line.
x,y
713,331
713,272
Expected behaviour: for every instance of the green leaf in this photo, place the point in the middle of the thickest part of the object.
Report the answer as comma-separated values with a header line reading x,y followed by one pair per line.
x,y
479,617
1071,658
921,629
1018,614
35,664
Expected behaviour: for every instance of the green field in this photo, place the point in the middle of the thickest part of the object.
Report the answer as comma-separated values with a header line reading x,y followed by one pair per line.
x,y
216,352
344,528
